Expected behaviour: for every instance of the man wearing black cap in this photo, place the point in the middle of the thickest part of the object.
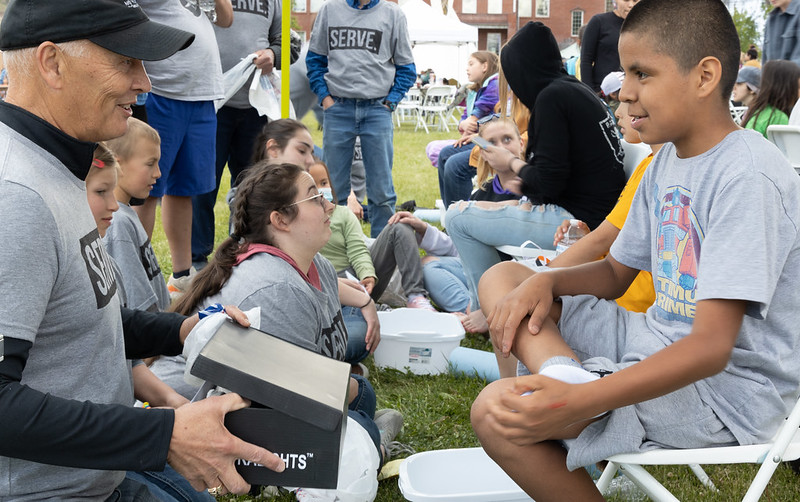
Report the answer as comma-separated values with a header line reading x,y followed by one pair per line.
x,y
65,389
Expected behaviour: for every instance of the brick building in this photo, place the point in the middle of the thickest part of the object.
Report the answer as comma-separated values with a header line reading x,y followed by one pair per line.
x,y
497,20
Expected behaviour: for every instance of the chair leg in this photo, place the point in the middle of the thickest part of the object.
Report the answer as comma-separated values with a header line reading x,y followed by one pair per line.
x,y
647,483
703,477
761,480
605,479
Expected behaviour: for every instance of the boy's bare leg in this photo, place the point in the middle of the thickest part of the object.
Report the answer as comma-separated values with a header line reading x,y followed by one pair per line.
x,y
539,468
497,282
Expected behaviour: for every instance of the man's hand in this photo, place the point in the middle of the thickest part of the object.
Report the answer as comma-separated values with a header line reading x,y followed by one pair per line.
x,y
203,450
327,102
533,297
409,219
265,60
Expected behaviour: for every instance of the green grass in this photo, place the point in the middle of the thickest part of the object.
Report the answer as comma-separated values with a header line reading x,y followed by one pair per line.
x,y
436,408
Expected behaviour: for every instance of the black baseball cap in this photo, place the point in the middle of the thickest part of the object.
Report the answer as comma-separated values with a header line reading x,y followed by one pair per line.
x,y
117,25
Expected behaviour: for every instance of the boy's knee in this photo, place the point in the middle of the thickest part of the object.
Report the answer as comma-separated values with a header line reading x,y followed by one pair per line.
x,y
501,279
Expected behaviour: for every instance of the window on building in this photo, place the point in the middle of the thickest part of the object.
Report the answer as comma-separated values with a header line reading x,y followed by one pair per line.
x,y
577,21
493,42
314,5
469,6
302,35
525,8
609,5
299,5
494,7
542,8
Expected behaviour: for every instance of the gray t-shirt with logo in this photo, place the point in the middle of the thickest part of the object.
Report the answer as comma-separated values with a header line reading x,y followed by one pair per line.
x,y
127,242
724,225
362,47
59,293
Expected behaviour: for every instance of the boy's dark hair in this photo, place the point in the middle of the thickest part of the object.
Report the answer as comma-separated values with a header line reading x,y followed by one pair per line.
x,y
688,31
752,52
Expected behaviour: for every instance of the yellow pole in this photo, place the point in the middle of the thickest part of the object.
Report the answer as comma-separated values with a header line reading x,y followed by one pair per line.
x,y
285,53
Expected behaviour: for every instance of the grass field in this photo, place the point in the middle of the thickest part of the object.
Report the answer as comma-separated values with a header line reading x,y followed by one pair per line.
x,y
436,408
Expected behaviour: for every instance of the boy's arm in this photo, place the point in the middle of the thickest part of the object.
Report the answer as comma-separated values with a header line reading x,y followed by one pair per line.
x,y
317,65
554,405
589,52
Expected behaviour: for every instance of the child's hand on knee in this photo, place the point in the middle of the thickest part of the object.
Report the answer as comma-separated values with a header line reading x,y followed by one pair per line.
x,y
531,298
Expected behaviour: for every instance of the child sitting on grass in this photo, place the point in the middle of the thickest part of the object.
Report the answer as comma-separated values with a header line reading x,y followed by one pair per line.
x,y
713,361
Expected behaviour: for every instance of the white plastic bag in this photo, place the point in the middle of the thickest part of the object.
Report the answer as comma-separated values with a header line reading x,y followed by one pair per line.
x,y
235,78
202,333
358,470
265,95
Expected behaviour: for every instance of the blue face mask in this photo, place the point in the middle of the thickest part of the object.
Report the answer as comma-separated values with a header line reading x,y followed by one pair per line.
x,y
327,193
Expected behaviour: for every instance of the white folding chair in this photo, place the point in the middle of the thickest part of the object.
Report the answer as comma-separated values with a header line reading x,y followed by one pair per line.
x,y
737,113
787,139
784,446
634,154
407,107
434,105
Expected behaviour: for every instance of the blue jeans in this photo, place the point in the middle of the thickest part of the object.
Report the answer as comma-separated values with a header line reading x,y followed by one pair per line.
x,y
455,173
132,491
476,232
446,282
362,410
368,118
356,335
169,486
237,130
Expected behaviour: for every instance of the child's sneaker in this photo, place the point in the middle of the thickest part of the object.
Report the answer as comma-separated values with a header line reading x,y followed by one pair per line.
x,y
419,302
177,287
390,423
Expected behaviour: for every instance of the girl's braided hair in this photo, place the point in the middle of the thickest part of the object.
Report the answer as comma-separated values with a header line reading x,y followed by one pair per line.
x,y
265,188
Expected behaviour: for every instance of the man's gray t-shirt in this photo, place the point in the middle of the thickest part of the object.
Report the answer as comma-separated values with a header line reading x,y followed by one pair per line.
x,y
363,46
194,73
256,26
127,242
724,225
59,293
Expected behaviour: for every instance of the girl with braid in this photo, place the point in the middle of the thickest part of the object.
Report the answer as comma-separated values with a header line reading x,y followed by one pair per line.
x,y
272,261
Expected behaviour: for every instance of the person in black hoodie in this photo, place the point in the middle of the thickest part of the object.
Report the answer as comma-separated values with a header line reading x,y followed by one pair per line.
x,y
573,166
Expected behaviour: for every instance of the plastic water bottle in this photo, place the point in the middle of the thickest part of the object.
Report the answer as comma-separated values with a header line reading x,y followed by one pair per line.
x,y
571,237
209,8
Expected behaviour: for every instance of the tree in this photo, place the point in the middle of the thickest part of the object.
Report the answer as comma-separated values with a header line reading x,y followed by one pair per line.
x,y
747,28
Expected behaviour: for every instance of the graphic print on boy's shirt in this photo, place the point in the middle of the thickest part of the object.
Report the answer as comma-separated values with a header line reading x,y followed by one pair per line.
x,y
679,241
346,37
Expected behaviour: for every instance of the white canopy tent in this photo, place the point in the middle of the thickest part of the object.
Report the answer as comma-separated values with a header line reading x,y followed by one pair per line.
x,y
440,42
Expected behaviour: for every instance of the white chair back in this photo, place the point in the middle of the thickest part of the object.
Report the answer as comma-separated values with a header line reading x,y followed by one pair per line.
x,y
635,153
787,139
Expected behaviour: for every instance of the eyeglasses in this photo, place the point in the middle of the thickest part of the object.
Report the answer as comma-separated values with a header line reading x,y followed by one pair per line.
x,y
319,196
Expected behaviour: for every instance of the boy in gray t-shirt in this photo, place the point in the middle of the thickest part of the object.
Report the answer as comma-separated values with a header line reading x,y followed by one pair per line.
x,y
715,220
137,153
